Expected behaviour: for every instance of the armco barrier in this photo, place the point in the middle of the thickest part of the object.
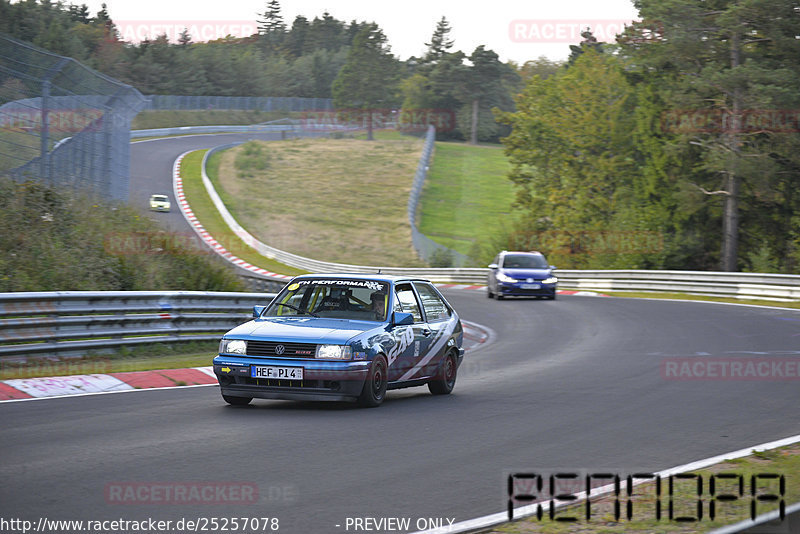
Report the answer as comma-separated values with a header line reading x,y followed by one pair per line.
x,y
72,322
281,125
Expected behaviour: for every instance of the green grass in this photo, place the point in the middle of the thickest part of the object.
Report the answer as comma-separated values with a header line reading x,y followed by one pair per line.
x,y
147,120
686,296
209,217
466,196
782,461
335,200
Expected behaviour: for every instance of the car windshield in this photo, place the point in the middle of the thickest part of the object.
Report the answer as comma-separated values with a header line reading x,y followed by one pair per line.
x,y
524,261
159,198
364,300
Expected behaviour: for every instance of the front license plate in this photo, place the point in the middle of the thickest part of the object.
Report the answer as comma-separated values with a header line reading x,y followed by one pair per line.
x,y
285,373
531,286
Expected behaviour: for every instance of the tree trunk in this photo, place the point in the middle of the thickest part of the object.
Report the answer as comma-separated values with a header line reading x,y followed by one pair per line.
x,y
369,125
730,222
473,138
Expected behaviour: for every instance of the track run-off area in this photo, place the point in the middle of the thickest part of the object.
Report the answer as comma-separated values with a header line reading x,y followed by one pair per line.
x,y
579,383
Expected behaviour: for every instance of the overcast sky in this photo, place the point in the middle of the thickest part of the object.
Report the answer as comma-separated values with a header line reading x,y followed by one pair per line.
x,y
517,30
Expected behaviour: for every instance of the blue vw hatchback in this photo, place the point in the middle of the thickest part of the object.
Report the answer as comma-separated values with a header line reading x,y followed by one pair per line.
x,y
343,337
521,274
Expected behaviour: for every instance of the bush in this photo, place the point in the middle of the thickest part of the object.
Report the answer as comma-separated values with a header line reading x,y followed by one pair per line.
x,y
52,241
441,257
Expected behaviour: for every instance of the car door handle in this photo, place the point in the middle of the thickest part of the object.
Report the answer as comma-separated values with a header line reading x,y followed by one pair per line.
x,y
426,332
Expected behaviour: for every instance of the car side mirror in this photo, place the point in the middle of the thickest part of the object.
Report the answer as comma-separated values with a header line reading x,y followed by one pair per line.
x,y
402,318
258,310
552,267
493,266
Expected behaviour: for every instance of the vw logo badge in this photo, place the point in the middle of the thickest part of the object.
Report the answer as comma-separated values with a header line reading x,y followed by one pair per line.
x,y
279,349
530,279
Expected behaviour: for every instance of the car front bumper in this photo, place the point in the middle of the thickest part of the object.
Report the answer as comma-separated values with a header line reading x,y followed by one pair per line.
x,y
322,380
519,289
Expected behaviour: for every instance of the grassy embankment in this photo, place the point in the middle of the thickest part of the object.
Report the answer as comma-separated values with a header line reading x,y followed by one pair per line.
x,y
209,217
338,200
466,198
54,241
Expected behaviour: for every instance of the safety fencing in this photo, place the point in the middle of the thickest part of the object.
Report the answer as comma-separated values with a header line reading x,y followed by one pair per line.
x,y
291,127
63,123
429,250
255,103
73,322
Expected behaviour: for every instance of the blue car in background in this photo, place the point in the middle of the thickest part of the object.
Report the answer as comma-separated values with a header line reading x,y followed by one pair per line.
x,y
521,274
343,337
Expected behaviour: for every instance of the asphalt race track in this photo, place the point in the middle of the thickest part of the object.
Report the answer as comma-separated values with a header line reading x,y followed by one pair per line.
x,y
575,383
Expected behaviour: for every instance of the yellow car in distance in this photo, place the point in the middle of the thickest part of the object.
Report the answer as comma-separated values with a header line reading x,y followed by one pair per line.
x,y
159,203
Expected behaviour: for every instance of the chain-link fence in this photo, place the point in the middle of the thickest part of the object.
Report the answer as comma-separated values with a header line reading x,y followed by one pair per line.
x,y
437,255
63,123
256,103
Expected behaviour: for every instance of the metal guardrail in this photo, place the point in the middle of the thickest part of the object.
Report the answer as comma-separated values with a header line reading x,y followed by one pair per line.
x,y
427,248
784,287
72,322
261,103
235,128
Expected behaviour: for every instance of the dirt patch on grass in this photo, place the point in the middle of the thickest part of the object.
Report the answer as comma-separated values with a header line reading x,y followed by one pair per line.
x,y
340,200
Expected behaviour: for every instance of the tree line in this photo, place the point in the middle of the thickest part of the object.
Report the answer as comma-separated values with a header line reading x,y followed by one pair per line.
x,y
676,147
300,59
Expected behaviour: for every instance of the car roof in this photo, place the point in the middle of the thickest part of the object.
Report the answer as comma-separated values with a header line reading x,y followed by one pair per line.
x,y
363,276
530,252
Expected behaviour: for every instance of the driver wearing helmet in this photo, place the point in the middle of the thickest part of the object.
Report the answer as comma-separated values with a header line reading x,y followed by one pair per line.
x,y
378,304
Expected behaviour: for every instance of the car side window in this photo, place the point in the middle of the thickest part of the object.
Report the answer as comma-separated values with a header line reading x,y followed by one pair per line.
x,y
432,303
408,301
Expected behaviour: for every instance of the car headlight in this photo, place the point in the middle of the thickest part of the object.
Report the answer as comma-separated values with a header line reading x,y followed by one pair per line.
x,y
551,280
233,346
505,278
334,352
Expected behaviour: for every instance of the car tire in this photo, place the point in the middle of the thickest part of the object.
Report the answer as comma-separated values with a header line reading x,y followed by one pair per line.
x,y
499,296
445,381
237,401
489,293
374,391
552,297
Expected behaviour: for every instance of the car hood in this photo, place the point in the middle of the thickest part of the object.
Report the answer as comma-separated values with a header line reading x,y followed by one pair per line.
x,y
301,329
537,274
